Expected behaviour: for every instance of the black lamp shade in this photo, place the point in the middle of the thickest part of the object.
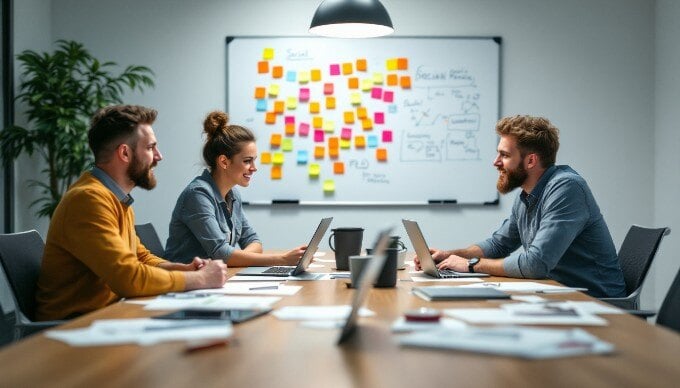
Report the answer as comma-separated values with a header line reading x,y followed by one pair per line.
x,y
351,19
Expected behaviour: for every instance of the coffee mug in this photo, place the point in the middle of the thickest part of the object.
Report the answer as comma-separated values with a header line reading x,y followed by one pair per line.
x,y
388,273
357,264
396,243
347,243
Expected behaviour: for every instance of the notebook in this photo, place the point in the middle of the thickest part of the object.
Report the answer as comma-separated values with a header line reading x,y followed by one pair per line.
x,y
435,293
305,260
368,276
426,260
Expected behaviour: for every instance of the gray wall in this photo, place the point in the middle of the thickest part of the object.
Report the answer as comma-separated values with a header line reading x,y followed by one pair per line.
x,y
587,65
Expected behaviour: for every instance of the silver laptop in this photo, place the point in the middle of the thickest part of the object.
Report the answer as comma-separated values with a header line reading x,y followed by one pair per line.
x,y
368,276
302,265
426,260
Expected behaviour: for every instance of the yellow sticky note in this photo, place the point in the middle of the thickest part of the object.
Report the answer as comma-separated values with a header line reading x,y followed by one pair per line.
x,y
313,107
328,126
361,112
378,78
328,186
265,158
345,144
277,172
381,154
316,75
349,117
314,170
355,98
391,64
268,53
339,167
367,124
275,140
273,90
291,103
303,76
278,106
361,64
360,142
319,152
317,122
330,102
278,158
347,68
366,84
287,144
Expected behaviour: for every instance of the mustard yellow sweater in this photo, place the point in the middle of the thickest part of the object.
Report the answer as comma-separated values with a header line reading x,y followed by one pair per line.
x,y
93,256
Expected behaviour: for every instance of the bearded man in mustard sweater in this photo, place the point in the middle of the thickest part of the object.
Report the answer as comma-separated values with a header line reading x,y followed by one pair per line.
x,y
93,256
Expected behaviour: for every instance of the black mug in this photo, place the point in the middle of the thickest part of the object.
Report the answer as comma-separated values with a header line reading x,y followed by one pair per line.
x,y
388,273
347,243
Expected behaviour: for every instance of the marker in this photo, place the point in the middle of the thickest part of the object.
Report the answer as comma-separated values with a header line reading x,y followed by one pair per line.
x,y
264,288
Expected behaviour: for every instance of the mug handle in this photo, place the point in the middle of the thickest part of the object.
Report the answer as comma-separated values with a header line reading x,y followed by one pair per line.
x,y
402,246
330,241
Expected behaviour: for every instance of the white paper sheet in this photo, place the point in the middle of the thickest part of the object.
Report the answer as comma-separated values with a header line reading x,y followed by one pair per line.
x,y
401,325
318,313
583,307
252,288
523,287
505,316
422,277
212,302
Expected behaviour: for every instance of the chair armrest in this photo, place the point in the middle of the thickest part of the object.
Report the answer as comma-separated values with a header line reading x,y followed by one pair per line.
x,y
644,314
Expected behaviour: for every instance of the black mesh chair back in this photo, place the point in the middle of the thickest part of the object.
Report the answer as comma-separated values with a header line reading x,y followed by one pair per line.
x,y
669,313
148,236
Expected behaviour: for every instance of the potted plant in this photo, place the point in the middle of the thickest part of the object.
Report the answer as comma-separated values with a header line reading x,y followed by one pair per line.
x,y
62,91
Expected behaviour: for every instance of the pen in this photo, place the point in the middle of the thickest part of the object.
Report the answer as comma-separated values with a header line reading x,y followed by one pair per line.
x,y
264,288
561,290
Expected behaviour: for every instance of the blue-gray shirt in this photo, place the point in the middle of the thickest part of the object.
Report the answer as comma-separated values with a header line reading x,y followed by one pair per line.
x,y
563,234
202,226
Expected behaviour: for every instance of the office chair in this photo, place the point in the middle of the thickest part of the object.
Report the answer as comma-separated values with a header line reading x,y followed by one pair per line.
x,y
148,236
21,255
635,257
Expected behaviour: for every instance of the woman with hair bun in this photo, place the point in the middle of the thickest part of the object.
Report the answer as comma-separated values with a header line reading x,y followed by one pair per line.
x,y
208,220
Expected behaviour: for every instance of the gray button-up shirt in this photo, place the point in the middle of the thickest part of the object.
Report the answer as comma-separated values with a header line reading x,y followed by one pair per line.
x,y
202,226
563,234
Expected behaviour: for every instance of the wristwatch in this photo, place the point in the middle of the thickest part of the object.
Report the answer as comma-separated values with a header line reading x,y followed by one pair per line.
x,y
471,264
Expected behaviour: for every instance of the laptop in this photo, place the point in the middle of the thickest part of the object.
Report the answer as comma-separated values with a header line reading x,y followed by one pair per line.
x,y
368,276
305,260
426,260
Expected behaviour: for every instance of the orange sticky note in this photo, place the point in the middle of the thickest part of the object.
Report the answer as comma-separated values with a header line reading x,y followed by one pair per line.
x,y
361,64
270,118
263,67
333,142
316,75
347,68
339,167
265,158
313,107
349,117
402,64
392,80
317,122
268,53
367,124
290,129
319,152
353,83
391,64
360,142
277,71
405,82
276,172
361,112
381,154
333,153
260,92
278,107
275,140
330,102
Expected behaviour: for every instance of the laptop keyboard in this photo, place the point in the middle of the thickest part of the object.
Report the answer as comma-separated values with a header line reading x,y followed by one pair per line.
x,y
445,273
278,270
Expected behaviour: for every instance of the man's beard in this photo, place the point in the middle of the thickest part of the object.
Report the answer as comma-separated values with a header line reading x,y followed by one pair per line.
x,y
511,179
141,175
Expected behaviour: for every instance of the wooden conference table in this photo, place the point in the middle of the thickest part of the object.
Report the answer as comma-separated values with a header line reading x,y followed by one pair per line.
x,y
267,352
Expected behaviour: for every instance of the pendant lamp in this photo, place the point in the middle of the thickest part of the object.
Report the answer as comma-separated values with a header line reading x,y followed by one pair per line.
x,y
351,19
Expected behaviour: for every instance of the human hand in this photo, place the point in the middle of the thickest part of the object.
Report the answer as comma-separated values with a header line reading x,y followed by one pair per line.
x,y
293,256
197,263
456,263
214,273
437,256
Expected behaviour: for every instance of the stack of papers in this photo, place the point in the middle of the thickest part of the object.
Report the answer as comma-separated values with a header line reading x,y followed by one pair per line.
x,y
318,312
531,343
525,287
252,288
207,302
536,315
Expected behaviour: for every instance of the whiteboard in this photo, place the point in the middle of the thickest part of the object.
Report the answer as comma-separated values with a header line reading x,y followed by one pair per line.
x,y
368,121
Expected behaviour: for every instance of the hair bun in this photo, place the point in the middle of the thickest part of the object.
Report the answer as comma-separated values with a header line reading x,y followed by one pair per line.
x,y
216,121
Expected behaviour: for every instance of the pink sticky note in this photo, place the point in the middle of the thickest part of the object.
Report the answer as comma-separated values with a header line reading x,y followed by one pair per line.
x,y
388,96
318,136
303,129
376,93
304,94
291,119
335,69
346,133
387,136
327,88
379,118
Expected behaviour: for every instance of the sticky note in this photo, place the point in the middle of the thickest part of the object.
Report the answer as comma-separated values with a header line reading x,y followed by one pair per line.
x,y
392,80
317,122
366,84
316,75
289,119
303,129
360,142
388,96
405,82
333,153
318,136
287,143
268,53
277,71
314,170
345,144
303,94
328,186
330,102
291,76
377,78
303,76
353,83
334,69
265,158
367,124
338,167
346,133
275,140
273,90
313,107
402,64
372,141
328,126
261,106
319,152
348,117
277,158
361,64
263,67
347,68
277,172
391,64
387,136
302,156
260,92
376,93
381,154
270,118
278,106
290,130
355,98
328,88
379,118
361,112
333,142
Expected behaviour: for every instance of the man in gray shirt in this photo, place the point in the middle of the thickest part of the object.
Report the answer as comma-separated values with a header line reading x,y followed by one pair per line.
x,y
554,218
